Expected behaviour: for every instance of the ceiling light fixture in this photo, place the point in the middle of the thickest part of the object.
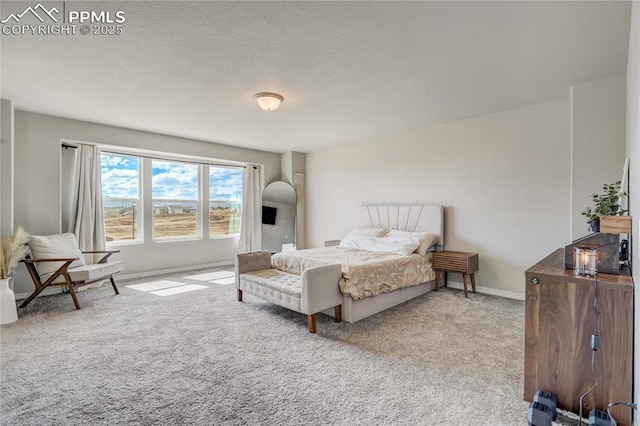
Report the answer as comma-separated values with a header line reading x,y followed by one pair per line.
x,y
268,101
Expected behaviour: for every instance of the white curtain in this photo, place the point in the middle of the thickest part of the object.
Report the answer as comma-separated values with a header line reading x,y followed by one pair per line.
x,y
87,222
251,224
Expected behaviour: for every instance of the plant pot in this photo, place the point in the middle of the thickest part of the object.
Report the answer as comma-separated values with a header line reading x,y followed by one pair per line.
x,y
594,225
8,310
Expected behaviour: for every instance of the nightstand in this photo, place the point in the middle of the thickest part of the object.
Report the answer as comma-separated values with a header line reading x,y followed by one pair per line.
x,y
331,243
456,261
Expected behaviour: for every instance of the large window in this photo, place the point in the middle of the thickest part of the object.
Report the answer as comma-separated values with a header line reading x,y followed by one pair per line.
x,y
225,200
167,200
121,196
175,200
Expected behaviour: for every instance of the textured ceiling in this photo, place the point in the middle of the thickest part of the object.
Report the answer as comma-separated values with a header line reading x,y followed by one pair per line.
x,y
347,70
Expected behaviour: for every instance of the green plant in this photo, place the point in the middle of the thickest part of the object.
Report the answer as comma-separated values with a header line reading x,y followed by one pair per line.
x,y
607,203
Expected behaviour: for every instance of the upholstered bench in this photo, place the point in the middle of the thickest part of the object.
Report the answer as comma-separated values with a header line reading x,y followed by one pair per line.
x,y
316,290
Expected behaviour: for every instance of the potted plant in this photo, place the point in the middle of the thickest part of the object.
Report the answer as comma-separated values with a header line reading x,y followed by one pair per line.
x,y
605,204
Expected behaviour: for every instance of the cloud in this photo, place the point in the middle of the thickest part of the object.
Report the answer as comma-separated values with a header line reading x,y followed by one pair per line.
x,y
119,176
170,181
225,183
175,181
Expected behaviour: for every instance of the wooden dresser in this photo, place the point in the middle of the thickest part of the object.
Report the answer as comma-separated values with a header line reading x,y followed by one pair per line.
x,y
559,320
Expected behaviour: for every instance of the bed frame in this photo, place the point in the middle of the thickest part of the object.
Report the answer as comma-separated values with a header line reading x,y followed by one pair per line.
x,y
414,218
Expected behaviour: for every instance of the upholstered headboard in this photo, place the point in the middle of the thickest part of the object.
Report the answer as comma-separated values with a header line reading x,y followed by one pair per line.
x,y
425,218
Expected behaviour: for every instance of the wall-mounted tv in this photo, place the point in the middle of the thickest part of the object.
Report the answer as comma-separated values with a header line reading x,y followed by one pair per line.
x,y
269,215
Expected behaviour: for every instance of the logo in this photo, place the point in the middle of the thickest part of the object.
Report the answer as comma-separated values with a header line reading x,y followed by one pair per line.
x,y
46,18
34,12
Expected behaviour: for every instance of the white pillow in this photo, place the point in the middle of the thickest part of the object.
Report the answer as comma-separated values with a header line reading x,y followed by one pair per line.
x,y
55,247
368,232
426,239
402,246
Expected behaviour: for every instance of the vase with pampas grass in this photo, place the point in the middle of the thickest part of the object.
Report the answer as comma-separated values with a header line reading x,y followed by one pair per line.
x,y
14,249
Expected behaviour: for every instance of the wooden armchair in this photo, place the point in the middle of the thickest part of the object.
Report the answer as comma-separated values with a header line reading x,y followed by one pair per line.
x,y
57,260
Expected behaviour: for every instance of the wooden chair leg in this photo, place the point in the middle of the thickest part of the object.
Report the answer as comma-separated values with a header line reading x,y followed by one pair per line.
x,y
74,296
33,296
311,319
113,284
239,295
338,313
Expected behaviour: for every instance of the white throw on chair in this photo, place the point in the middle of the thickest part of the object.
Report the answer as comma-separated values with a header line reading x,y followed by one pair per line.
x,y
57,260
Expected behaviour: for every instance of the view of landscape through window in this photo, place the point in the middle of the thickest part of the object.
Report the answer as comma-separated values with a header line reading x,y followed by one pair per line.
x,y
175,201
120,196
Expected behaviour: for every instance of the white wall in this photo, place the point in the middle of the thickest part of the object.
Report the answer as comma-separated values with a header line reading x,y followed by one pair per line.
x,y
633,152
504,179
598,143
38,187
6,168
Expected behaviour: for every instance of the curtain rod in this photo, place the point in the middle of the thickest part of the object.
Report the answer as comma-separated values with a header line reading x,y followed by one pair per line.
x,y
209,163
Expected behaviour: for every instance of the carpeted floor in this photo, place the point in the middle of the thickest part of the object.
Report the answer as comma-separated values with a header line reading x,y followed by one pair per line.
x,y
200,357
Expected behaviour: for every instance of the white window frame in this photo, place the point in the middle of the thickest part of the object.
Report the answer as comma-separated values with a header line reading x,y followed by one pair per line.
x,y
145,183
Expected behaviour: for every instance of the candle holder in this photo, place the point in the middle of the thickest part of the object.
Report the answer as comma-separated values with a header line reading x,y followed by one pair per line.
x,y
585,260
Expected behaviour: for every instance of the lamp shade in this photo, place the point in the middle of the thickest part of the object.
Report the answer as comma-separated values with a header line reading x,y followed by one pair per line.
x,y
268,101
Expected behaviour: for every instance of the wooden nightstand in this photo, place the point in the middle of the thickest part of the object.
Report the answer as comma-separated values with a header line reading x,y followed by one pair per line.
x,y
331,243
456,261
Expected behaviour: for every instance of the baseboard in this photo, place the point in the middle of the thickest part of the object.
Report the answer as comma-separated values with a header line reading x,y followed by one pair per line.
x,y
58,289
488,290
172,270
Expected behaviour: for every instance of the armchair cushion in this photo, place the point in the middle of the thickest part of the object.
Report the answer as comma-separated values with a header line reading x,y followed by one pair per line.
x,y
55,247
91,272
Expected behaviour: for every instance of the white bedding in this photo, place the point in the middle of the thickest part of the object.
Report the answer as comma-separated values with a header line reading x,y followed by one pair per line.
x,y
402,246
364,273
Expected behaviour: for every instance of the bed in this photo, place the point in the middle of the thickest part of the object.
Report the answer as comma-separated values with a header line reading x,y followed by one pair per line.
x,y
387,289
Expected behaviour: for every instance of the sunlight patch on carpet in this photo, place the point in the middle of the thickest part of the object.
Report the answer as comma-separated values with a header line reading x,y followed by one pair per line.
x,y
154,285
177,290
225,281
212,276
166,287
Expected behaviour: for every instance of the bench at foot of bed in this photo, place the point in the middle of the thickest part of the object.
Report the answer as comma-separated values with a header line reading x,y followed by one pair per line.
x,y
316,290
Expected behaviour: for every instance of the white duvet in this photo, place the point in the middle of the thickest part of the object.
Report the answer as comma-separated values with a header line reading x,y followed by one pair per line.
x,y
400,245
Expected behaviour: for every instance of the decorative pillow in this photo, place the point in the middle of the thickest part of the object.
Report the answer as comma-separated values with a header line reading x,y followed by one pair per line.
x,y
426,239
368,232
55,247
402,246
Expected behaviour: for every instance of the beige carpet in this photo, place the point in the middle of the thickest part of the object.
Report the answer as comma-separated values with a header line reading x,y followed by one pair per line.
x,y
199,357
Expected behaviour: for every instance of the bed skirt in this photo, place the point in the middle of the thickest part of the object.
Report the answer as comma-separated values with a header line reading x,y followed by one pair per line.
x,y
355,310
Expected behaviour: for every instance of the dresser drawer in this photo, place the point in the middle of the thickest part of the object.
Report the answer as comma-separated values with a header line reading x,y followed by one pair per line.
x,y
455,261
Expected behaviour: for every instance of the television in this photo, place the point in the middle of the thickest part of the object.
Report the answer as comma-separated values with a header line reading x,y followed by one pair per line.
x,y
269,215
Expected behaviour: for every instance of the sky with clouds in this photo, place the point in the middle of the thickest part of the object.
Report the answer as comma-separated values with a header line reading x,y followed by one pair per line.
x,y
171,180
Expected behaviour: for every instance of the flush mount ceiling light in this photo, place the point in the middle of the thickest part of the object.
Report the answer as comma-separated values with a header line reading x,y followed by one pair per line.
x,y
268,101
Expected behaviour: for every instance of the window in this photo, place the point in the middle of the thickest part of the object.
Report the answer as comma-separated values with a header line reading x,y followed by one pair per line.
x,y
225,200
120,196
165,199
175,200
